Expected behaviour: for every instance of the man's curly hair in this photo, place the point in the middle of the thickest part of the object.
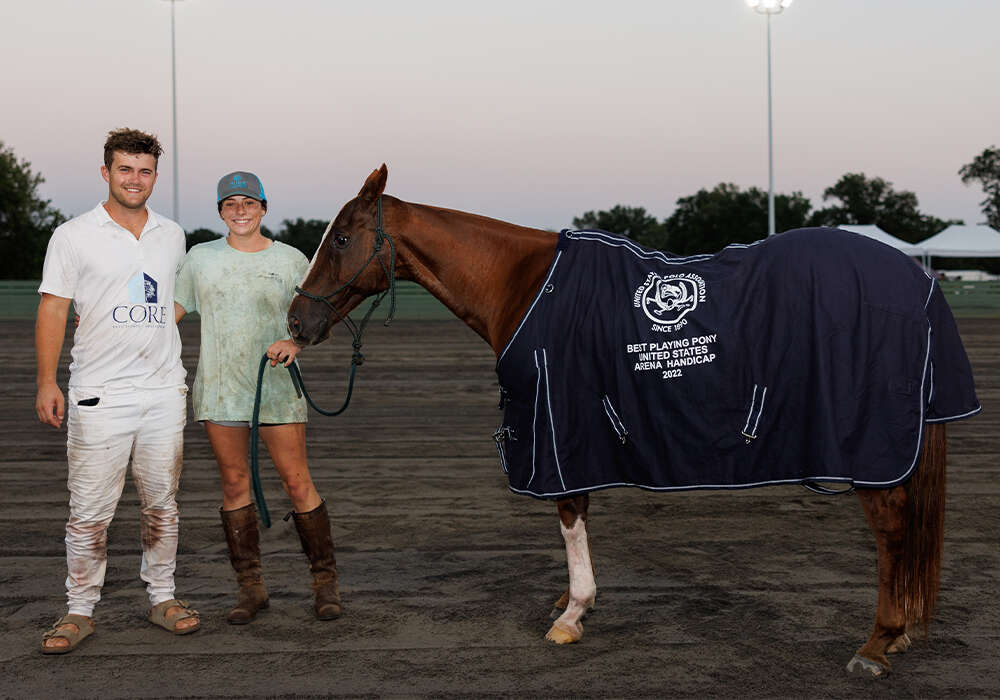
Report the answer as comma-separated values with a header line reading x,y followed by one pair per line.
x,y
131,141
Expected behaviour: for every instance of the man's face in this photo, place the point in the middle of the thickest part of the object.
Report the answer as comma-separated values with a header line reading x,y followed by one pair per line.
x,y
242,214
130,178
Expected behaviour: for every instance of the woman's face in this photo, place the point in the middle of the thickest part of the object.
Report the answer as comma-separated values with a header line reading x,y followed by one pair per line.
x,y
242,214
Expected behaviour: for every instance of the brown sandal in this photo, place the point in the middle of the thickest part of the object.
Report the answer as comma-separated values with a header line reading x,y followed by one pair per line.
x,y
159,616
84,628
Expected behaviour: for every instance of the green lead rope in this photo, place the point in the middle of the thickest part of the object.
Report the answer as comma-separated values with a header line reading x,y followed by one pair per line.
x,y
258,491
300,390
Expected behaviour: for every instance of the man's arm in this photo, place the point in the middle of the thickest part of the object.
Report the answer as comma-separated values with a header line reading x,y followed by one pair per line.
x,y
50,331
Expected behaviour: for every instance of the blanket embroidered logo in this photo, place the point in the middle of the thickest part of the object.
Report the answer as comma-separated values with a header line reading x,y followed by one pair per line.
x,y
667,299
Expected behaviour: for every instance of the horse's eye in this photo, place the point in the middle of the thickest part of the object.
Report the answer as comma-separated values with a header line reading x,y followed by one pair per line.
x,y
341,240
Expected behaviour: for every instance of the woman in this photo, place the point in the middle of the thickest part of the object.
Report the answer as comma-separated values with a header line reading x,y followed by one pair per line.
x,y
241,285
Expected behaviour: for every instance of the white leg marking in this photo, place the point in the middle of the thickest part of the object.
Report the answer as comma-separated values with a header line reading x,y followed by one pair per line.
x,y
582,587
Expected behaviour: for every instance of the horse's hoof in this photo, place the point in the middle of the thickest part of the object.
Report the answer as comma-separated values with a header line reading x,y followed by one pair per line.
x,y
866,668
899,644
564,635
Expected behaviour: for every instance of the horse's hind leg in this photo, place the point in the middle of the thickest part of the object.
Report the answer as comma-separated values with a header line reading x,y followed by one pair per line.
x,y
908,522
885,510
582,588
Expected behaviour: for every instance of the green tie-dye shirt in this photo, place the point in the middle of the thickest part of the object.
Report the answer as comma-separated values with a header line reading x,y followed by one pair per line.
x,y
242,299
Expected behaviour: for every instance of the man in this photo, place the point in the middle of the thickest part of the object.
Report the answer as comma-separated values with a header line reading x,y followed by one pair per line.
x,y
127,396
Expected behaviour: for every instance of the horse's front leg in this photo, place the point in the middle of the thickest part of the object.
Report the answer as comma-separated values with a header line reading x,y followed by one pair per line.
x,y
582,588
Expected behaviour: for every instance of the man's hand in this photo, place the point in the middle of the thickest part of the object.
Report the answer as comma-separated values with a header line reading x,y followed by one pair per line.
x,y
283,351
50,328
50,405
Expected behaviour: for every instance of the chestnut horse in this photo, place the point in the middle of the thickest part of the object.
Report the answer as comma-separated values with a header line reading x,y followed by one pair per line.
x,y
488,272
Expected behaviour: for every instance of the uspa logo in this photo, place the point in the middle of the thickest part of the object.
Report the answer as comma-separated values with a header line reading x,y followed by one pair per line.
x,y
143,308
142,289
667,299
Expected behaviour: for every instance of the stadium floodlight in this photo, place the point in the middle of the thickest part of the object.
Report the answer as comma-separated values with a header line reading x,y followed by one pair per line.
x,y
772,6
769,7
173,101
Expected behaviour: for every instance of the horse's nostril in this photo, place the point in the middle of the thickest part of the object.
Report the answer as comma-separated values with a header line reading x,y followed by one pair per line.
x,y
293,322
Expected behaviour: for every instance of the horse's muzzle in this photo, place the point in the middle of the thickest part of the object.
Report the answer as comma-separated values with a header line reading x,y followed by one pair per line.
x,y
305,325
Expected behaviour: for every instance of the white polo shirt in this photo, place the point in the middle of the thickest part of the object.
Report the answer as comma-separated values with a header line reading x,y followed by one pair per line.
x,y
123,290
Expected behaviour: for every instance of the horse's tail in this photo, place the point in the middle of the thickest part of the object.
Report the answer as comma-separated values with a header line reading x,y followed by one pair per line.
x,y
920,569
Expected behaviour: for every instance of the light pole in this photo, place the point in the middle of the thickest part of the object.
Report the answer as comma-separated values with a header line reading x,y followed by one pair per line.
x,y
769,7
173,100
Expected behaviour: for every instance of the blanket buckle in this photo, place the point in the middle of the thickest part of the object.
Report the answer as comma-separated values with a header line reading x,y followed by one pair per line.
x,y
504,432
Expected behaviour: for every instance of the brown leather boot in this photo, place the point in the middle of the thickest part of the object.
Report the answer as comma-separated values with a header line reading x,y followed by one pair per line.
x,y
243,539
317,543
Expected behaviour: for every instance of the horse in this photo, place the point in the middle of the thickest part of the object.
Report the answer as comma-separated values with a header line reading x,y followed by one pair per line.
x,y
491,274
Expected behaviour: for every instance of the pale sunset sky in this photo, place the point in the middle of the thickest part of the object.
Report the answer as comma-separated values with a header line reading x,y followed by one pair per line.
x,y
531,112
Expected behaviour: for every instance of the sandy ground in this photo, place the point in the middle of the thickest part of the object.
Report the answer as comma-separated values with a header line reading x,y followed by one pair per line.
x,y
448,578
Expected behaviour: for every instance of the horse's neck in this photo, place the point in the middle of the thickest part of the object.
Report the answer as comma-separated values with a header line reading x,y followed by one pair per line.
x,y
485,271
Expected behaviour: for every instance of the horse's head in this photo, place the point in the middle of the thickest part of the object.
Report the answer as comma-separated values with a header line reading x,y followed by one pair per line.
x,y
350,264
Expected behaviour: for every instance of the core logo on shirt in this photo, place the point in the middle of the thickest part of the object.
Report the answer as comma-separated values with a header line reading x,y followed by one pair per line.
x,y
667,299
142,309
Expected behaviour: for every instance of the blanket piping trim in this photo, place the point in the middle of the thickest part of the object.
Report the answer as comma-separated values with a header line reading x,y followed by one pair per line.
x,y
534,418
978,408
552,420
616,422
618,242
747,432
930,292
973,412
920,424
531,308
930,396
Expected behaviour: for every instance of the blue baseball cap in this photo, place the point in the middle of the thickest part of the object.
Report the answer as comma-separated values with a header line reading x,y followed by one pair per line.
x,y
241,183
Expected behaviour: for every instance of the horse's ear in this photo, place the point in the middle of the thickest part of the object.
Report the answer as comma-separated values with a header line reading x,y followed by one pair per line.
x,y
374,186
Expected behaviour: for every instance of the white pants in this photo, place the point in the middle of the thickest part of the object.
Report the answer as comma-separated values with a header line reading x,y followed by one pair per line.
x,y
146,425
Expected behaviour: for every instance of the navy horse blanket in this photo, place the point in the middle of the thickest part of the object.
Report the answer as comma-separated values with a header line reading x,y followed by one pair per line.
x,y
816,355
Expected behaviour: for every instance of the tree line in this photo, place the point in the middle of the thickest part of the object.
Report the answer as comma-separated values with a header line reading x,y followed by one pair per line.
x,y
711,219
705,221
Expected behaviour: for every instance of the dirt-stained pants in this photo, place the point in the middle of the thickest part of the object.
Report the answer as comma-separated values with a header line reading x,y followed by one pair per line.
x,y
146,425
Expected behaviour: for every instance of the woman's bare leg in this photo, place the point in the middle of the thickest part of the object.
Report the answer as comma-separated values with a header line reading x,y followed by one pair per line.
x,y
231,445
287,445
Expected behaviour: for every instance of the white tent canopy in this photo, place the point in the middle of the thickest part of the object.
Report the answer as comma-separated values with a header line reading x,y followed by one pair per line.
x,y
964,242
873,231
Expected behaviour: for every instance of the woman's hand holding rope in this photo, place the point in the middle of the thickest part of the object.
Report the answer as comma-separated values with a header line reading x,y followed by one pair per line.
x,y
283,351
